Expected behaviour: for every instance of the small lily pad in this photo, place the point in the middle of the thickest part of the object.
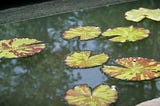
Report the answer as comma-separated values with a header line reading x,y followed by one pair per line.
x,y
84,60
82,95
123,34
134,69
137,15
85,33
22,47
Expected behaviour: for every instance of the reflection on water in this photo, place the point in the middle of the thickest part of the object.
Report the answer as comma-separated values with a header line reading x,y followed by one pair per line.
x,y
91,76
43,79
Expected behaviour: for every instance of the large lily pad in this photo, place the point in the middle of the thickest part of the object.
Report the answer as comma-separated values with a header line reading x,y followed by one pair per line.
x,y
85,33
83,59
82,95
123,34
137,15
23,47
134,69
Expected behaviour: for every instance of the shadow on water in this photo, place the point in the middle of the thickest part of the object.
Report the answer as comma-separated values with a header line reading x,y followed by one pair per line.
x,y
43,79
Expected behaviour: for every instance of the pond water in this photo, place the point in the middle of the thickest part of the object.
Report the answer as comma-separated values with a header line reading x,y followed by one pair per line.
x,y
43,79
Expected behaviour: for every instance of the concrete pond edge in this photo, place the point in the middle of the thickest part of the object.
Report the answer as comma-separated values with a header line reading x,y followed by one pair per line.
x,y
52,8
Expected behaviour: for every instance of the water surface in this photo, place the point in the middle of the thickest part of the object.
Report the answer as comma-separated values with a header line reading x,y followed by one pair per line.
x,y
43,79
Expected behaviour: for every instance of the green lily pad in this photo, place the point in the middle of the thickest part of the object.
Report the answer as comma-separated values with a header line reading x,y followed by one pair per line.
x,y
123,34
82,95
22,47
134,69
137,15
84,60
85,33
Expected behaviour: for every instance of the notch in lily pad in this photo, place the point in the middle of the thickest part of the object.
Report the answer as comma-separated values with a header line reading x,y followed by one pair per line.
x,y
82,95
84,59
137,15
134,68
83,32
123,34
20,47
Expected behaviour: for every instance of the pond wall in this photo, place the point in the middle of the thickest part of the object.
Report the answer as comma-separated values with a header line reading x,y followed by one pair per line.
x,y
51,8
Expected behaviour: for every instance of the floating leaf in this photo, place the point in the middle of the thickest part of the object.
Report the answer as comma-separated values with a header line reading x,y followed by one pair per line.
x,y
23,47
85,33
81,95
83,59
134,69
123,34
137,15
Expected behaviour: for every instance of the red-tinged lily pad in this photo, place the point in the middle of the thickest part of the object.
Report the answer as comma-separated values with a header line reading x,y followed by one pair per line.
x,y
22,47
85,33
137,15
134,69
84,60
123,34
82,95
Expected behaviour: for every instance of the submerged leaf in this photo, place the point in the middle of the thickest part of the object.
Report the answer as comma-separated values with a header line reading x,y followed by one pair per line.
x,y
134,69
85,33
83,59
141,13
23,47
81,95
123,34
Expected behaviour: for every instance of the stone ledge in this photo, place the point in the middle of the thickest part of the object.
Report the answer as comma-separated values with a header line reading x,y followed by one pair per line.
x,y
153,102
51,8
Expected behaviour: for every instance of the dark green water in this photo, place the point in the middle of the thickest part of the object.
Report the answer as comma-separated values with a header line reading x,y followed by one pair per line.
x,y
43,79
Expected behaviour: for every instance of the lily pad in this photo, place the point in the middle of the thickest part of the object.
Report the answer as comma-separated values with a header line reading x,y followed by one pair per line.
x,y
123,34
137,15
22,47
85,33
82,95
84,60
134,69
